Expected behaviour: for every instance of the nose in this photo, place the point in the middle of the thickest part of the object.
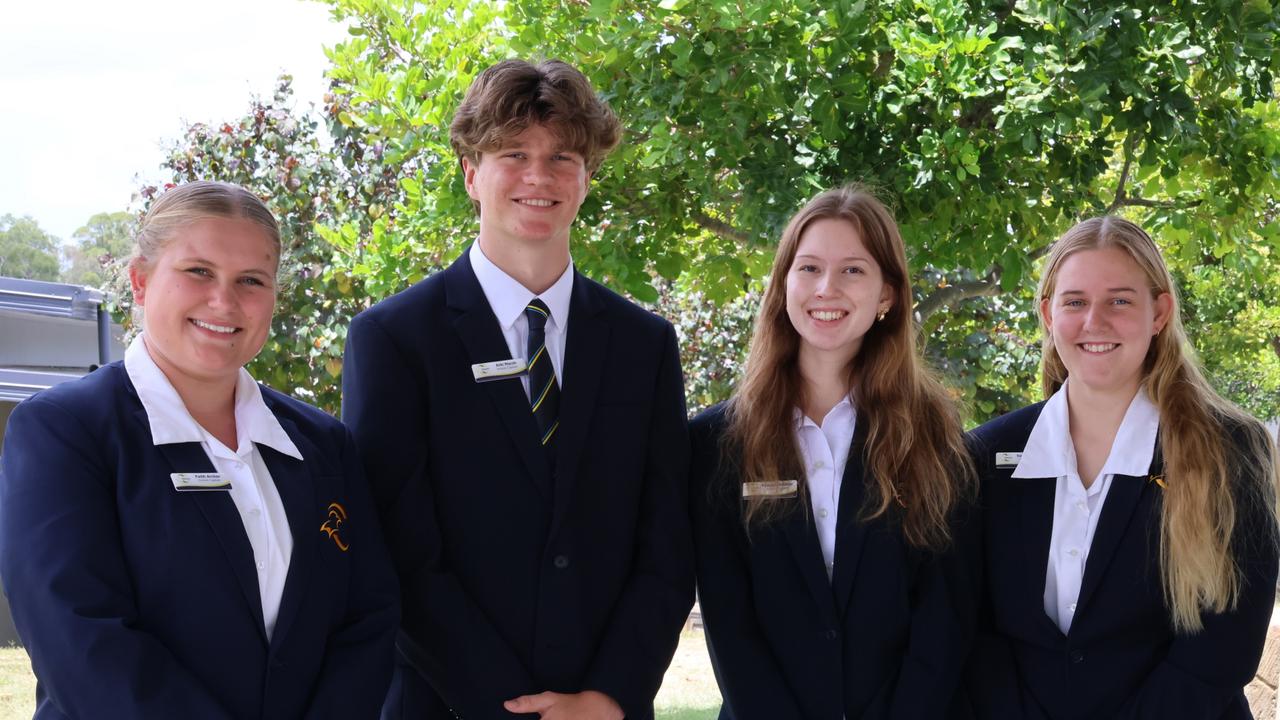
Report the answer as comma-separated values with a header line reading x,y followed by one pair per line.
x,y
1093,317
222,295
824,285
537,172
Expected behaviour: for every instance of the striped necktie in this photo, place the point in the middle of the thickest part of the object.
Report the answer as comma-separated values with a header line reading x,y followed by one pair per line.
x,y
544,392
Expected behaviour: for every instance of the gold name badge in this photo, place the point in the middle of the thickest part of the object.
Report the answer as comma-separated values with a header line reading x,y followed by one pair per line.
x,y
770,489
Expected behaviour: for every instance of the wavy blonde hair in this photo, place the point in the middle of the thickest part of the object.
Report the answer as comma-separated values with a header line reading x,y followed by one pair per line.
x,y
1200,434
915,454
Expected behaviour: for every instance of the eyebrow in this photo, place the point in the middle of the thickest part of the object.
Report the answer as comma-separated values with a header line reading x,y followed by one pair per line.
x,y
843,259
196,260
1110,290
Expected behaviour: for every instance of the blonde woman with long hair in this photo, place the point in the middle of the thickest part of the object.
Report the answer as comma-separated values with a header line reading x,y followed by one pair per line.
x,y
1130,526
828,494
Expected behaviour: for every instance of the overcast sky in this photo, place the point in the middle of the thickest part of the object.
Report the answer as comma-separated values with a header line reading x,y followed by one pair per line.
x,y
90,89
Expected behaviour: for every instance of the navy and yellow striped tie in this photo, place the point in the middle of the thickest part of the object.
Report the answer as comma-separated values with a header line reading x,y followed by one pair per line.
x,y
544,391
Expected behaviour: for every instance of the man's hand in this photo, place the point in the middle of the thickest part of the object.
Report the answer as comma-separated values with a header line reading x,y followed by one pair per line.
x,y
586,705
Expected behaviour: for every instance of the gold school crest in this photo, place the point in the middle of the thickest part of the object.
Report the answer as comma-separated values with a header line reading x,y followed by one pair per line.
x,y
333,525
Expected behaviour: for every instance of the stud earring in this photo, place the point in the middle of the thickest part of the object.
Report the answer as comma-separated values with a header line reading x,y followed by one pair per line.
x,y
882,315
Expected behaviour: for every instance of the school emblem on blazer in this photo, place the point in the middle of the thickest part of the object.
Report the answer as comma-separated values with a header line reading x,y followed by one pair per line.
x,y
1158,480
333,525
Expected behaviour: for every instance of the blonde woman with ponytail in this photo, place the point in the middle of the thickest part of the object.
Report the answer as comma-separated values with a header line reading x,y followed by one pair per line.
x,y
1130,519
830,495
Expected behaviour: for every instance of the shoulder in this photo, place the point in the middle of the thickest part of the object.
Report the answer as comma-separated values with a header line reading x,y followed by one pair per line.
x,y
622,310
407,306
310,420
102,388
1011,429
711,421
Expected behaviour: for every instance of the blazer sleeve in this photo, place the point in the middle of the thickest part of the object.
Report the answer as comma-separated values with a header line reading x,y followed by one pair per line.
x,y
1203,674
944,611
644,629
67,578
751,681
358,654
384,402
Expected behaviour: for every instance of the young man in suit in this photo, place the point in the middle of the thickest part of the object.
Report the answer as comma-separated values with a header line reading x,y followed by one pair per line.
x,y
525,435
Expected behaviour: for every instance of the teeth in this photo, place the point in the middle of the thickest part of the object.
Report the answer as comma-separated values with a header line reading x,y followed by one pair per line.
x,y
537,202
1098,347
215,328
827,314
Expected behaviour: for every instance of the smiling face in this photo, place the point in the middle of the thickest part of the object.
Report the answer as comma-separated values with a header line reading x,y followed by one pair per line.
x,y
529,191
208,299
835,290
1102,316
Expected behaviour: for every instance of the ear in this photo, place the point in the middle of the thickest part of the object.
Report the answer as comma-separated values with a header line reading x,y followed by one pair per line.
x,y
138,282
886,298
1045,315
469,176
1164,309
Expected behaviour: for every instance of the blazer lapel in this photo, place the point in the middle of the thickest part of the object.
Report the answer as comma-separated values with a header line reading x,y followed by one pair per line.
x,y
1117,513
478,329
220,512
586,347
802,536
850,533
297,490
1037,495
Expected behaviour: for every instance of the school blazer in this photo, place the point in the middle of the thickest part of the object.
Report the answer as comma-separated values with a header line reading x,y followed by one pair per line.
x,y
517,579
886,637
138,601
1121,658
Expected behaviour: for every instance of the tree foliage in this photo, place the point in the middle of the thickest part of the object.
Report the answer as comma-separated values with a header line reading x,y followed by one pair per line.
x,y
988,126
26,250
102,245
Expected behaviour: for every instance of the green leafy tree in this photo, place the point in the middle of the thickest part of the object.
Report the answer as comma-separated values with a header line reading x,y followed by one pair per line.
x,y
102,246
989,127
26,250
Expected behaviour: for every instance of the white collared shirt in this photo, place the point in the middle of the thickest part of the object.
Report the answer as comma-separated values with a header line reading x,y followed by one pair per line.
x,y
252,489
508,299
824,449
1050,453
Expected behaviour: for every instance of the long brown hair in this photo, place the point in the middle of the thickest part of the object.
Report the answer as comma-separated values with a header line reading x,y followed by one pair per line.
x,y
1206,479
914,454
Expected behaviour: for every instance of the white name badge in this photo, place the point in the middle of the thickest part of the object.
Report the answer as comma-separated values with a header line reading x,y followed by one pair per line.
x,y
1008,459
196,482
770,488
498,370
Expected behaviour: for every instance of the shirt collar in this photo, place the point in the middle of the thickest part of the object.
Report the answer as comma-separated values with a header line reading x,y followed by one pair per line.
x,y
1049,452
845,406
508,298
171,423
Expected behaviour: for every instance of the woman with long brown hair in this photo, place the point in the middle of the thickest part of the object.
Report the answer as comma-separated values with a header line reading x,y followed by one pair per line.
x,y
827,492
1130,519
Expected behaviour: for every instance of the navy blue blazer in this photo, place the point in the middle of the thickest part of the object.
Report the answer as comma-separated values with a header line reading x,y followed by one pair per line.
x,y
1121,658
515,579
138,601
886,637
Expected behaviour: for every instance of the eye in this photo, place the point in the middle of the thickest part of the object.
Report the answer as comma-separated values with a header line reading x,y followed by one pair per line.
x,y
1122,301
855,270
1074,303
199,271
515,155
807,267
253,281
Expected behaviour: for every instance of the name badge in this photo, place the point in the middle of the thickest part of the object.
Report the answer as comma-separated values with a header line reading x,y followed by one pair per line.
x,y
1008,459
198,482
498,370
770,489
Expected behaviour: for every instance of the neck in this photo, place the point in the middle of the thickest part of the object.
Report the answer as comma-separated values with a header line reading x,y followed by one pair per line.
x,y
825,380
1091,410
536,268
212,403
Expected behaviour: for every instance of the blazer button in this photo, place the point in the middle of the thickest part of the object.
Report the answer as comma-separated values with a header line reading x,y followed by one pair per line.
x,y
832,634
561,562
1077,657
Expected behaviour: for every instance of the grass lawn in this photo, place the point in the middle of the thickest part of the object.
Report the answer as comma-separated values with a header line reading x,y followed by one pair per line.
x,y
688,692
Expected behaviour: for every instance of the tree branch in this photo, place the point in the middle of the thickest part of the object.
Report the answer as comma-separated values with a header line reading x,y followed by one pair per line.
x,y
1121,193
721,228
1275,344
987,285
